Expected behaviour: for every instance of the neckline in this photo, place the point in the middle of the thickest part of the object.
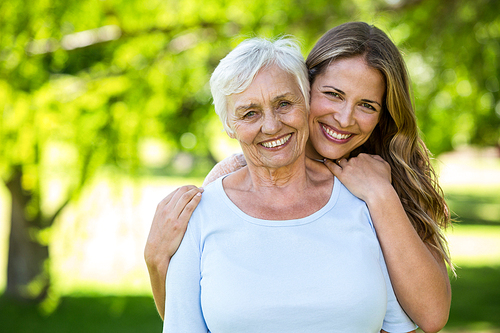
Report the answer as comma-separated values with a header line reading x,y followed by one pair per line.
x,y
280,223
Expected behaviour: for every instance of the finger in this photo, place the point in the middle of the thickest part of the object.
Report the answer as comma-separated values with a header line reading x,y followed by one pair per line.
x,y
188,210
377,157
381,160
178,226
165,200
341,162
333,167
178,206
169,209
176,194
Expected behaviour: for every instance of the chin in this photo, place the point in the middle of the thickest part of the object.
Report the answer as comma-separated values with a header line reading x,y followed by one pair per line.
x,y
334,154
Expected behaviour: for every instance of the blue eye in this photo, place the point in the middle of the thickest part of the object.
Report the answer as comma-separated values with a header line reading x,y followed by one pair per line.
x,y
284,104
249,114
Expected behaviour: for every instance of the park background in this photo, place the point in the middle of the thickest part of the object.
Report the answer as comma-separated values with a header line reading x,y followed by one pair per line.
x,y
106,109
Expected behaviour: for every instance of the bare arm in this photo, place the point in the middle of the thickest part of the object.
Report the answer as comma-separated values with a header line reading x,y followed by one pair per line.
x,y
227,165
418,273
168,228
170,223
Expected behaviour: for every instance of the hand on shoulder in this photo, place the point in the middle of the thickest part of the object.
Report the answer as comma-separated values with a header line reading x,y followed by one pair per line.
x,y
169,225
364,175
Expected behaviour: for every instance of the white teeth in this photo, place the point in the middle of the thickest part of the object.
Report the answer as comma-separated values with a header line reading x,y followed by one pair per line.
x,y
276,143
336,135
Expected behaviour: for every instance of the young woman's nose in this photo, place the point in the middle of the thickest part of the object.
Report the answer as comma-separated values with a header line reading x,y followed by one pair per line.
x,y
345,115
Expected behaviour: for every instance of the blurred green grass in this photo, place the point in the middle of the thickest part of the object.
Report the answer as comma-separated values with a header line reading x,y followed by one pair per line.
x,y
478,204
475,308
475,305
90,313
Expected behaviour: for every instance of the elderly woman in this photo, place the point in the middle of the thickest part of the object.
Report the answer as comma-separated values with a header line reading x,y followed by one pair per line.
x,y
279,245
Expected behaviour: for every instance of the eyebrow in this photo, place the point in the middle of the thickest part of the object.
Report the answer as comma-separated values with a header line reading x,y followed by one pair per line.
x,y
370,101
287,95
363,100
245,107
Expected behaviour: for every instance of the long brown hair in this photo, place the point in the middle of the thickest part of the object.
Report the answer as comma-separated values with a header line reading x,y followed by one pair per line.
x,y
396,136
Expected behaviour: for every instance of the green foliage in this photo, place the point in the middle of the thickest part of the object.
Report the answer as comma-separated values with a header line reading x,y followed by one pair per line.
x,y
452,53
103,76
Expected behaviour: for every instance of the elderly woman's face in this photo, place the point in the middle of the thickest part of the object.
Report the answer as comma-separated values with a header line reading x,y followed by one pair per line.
x,y
269,119
346,103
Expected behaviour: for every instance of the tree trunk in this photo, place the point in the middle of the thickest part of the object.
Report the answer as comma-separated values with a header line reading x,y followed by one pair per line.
x,y
27,276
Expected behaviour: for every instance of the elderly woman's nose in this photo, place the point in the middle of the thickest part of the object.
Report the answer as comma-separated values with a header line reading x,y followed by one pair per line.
x,y
271,123
345,115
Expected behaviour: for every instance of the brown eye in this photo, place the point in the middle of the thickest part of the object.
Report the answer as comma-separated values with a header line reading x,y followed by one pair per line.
x,y
368,106
333,94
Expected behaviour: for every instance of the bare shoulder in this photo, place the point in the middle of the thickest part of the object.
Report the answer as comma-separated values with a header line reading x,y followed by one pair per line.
x,y
237,180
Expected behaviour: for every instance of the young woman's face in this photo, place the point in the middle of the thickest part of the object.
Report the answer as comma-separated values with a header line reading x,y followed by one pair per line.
x,y
269,119
346,103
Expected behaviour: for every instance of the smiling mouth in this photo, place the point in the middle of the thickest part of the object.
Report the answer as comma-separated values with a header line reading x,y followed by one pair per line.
x,y
335,135
277,143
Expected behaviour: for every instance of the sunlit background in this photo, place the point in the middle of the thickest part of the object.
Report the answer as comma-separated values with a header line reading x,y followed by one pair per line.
x,y
106,109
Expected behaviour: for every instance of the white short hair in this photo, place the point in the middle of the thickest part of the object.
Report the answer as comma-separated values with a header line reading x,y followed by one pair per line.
x,y
238,69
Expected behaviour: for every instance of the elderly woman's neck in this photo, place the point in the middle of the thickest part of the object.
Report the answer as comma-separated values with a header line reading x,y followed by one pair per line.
x,y
280,194
255,178
262,177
